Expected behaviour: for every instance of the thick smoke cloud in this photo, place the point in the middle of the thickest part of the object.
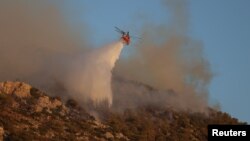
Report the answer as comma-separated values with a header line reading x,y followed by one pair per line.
x,y
37,46
34,41
169,59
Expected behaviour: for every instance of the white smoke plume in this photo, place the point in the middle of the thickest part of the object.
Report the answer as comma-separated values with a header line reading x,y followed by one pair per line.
x,y
90,75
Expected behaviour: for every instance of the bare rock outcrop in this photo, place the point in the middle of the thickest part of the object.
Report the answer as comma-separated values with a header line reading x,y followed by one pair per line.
x,y
18,89
45,102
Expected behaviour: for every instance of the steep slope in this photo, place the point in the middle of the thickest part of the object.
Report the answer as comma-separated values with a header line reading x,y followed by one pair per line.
x,y
27,113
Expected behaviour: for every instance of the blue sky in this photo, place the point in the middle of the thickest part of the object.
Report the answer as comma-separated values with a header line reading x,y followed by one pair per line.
x,y
223,27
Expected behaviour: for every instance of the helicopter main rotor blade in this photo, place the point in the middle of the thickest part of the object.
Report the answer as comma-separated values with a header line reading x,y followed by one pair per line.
x,y
119,30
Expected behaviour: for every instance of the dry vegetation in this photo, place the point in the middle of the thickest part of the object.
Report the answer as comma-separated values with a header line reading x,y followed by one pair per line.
x,y
20,120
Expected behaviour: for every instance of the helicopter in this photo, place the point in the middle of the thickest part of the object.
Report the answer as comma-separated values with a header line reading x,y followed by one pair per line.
x,y
125,35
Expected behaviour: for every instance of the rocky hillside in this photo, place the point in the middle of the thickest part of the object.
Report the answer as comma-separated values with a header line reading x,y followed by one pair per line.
x,y
27,113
